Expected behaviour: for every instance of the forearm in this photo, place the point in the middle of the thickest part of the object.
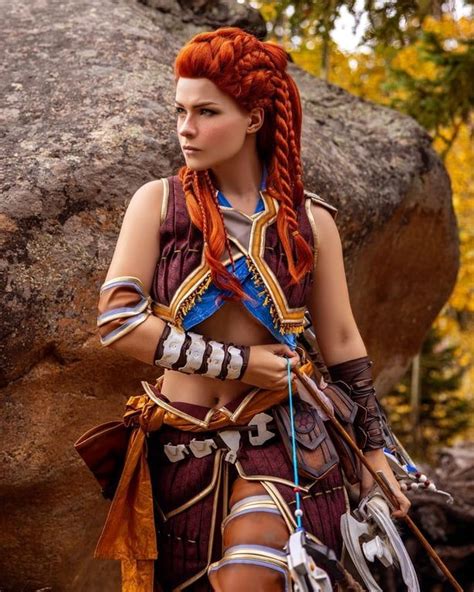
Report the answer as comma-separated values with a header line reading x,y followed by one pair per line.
x,y
357,373
142,341
126,322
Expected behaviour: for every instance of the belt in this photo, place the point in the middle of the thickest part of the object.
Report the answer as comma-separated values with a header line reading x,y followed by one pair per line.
x,y
257,430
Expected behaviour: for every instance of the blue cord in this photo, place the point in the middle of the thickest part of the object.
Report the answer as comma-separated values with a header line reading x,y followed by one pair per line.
x,y
298,511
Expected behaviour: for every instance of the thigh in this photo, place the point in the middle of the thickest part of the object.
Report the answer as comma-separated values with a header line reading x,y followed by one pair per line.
x,y
323,503
253,538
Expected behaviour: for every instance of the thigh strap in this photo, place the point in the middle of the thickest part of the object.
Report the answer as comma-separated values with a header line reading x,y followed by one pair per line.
x,y
253,503
258,555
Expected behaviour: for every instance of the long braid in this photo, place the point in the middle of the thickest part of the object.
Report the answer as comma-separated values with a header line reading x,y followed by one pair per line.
x,y
197,187
287,223
214,197
294,144
289,188
197,193
295,141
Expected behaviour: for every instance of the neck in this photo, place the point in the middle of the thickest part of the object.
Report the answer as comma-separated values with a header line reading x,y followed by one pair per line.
x,y
239,178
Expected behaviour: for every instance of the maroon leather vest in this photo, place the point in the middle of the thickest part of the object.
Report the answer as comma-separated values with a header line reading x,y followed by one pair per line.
x,y
182,275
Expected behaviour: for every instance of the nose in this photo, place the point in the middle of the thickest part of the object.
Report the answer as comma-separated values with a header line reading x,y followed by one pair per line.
x,y
186,126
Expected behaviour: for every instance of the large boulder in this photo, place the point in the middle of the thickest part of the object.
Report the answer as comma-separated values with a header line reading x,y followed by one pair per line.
x,y
88,105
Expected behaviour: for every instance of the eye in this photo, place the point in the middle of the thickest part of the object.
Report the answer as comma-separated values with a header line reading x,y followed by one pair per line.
x,y
179,110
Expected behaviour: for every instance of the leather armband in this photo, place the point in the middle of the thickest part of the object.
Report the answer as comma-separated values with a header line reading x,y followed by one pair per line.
x,y
357,374
123,305
192,353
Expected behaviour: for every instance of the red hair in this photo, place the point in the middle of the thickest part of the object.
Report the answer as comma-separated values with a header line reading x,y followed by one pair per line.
x,y
253,73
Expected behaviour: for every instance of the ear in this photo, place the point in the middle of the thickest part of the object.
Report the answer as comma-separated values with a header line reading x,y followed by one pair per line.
x,y
256,118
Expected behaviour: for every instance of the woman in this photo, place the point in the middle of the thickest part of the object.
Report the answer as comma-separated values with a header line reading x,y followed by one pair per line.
x,y
228,248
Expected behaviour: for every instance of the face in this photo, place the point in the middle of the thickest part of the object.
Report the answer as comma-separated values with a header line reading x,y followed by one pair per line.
x,y
212,121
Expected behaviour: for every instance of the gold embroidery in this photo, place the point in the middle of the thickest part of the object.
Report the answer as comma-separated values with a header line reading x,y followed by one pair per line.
x,y
171,409
215,501
188,303
288,326
164,203
216,470
285,319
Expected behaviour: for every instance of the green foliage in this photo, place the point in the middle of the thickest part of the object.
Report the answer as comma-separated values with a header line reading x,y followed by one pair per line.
x,y
444,412
443,101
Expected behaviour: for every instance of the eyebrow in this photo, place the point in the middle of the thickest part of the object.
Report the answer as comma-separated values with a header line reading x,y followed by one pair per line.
x,y
198,104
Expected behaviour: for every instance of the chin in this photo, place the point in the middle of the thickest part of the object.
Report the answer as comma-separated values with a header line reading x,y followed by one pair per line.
x,y
196,167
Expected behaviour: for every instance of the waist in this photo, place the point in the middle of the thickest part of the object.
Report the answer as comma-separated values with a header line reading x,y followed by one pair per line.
x,y
190,416
200,390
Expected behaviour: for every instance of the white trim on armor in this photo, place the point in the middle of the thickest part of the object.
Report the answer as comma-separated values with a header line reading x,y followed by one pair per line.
x,y
216,359
171,348
195,354
235,363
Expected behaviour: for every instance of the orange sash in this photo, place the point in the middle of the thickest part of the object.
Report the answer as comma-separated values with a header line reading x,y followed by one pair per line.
x,y
129,531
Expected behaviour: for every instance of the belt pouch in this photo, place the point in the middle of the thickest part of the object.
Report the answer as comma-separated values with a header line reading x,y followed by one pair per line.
x,y
315,452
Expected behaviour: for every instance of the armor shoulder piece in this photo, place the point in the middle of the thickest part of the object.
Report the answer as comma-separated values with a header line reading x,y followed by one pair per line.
x,y
314,197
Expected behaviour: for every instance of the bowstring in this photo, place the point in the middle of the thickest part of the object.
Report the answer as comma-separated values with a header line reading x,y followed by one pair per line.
x,y
298,511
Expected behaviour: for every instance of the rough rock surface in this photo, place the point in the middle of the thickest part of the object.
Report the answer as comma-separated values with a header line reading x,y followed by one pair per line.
x,y
88,116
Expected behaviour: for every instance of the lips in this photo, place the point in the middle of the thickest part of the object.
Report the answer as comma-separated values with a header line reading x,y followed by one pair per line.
x,y
190,149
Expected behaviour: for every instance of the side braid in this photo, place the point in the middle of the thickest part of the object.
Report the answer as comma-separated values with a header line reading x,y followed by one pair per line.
x,y
213,191
286,218
213,249
298,188
295,141
197,193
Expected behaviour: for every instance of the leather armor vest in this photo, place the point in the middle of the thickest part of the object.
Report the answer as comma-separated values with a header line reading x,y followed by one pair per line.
x,y
182,275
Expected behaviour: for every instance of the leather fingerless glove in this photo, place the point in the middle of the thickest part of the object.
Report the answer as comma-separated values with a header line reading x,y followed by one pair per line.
x,y
357,374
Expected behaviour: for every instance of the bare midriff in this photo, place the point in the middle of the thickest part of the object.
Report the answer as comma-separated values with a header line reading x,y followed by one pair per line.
x,y
231,323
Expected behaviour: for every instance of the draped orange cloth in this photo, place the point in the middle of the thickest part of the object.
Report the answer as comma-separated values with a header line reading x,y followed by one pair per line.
x,y
129,531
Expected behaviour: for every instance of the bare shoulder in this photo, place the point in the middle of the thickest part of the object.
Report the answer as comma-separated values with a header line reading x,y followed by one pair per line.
x,y
148,205
323,217
149,196
138,244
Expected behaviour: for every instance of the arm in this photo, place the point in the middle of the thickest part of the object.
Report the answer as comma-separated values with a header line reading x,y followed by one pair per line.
x,y
138,333
136,253
328,303
336,330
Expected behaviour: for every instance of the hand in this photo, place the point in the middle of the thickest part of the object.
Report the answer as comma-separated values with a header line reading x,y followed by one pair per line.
x,y
378,462
268,366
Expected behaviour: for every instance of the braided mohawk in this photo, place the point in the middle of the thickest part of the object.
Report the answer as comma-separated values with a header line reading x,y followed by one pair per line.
x,y
254,74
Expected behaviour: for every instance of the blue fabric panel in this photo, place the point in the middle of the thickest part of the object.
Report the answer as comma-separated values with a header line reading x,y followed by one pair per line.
x,y
212,299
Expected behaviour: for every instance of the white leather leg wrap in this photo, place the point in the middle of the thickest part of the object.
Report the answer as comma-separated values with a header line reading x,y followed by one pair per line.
x,y
254,503
257,555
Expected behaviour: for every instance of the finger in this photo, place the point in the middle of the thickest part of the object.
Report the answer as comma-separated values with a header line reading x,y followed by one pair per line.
x,y
280,349
289,353
295,361
399,513
402,510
